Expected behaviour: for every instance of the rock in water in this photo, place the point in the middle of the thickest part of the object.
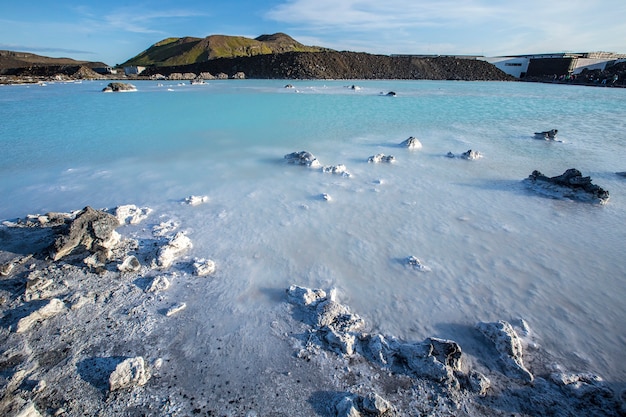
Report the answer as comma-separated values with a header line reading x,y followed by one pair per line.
x,y
305,296
118,87
412,143
470,155
129,373
547,135
194,200
303,158
416,264
202,267
93,229
571,185
381,157
340,169
509,345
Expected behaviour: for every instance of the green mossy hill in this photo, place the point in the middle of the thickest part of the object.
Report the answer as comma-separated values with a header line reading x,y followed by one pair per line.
x,y
188,50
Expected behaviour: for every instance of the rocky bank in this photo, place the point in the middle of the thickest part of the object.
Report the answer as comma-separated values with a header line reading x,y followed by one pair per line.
x,y
344,65
98,317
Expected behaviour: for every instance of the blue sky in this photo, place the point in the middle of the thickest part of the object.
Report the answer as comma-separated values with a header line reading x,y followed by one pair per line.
x,y
113,31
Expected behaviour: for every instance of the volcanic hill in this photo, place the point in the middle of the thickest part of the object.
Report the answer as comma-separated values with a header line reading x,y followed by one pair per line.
x,y
189,50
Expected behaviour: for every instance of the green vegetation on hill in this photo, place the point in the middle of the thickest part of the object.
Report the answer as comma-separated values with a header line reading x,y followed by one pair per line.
x,y
188,50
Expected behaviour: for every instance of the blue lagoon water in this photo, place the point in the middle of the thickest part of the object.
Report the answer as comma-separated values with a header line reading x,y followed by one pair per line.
x,y
496,250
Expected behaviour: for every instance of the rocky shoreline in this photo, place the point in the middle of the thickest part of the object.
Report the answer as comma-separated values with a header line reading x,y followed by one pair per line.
x,y
291,65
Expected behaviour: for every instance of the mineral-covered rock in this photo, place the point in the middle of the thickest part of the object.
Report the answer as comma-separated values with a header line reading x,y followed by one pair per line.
x,y
159,283
175,309
170,251
433,358
51,309
92,229
305,296
203,267
582,385
381,157
478,383
130,264
411,143
303,158
337,170
353,405
416,263
29,411
470,155
509,345
194,200
337,317
131,214
129,373
340,331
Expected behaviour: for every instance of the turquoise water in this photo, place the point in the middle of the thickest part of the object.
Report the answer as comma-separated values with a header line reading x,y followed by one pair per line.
x,y
496,250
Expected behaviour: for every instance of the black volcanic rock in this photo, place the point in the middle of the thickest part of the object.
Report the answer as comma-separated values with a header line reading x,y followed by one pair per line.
x,y
344,65
571,184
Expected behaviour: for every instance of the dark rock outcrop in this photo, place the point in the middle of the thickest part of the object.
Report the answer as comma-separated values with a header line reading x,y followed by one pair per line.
x,y
92,229
547,135
571,185
344,65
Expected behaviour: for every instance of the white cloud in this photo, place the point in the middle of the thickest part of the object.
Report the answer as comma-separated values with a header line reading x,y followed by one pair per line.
x,y
456,26
142,21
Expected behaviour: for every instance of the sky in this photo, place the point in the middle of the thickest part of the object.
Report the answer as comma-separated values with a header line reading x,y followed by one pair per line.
x,y
114,31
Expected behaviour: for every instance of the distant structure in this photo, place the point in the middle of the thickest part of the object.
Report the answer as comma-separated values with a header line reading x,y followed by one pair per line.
x,y
105,70
565,63
133,70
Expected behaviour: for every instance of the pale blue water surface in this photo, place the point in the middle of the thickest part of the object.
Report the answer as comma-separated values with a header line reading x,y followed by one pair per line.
x,y
496,250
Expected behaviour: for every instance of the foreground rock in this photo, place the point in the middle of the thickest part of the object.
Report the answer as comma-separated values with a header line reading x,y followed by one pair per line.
x,y
168,253
129,373
569,185
509,345
119,87
52,308
340,331
353,405
91,229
